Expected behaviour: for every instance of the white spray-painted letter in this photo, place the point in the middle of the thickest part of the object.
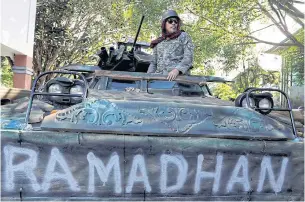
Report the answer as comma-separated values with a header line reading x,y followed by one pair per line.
x,y
266,167
27,166
203,174
182,166
138,163
50,175
244,180
104,171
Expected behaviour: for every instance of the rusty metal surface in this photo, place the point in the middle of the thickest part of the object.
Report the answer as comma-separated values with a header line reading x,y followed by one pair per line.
x,y
165,119
78,166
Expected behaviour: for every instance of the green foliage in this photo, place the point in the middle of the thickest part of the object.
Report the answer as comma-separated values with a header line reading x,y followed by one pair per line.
x,y
6,73
255,77
293,58
294,64
224,91
209,28
72,31
219,28
152,9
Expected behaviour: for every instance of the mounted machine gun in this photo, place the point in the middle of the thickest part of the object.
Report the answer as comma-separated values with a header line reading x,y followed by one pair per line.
x,y
125,58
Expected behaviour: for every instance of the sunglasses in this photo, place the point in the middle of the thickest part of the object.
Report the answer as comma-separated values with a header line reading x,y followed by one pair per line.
x,y
171,21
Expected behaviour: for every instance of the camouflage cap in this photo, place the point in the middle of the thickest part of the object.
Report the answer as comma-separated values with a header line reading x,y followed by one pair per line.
x,y
168,14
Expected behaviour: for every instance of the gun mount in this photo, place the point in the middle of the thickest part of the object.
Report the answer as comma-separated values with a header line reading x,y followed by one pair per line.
x,y
128,56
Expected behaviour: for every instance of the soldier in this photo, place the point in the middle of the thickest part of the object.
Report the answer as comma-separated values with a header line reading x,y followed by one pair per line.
x,y
173,51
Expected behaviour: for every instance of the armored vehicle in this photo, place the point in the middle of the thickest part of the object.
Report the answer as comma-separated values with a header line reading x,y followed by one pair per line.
x,y
113,135
94,134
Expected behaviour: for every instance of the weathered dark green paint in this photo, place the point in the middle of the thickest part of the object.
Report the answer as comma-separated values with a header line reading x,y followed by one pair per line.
x,y
75,147
171,119
138,126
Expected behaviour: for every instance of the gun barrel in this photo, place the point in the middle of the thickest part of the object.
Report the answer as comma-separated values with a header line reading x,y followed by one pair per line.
x,y
135,40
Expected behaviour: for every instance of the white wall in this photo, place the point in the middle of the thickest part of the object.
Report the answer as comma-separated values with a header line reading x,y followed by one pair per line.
x,y
17,27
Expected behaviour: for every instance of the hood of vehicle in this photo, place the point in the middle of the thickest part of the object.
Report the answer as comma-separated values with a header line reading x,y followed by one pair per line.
x,y
135,95
150,114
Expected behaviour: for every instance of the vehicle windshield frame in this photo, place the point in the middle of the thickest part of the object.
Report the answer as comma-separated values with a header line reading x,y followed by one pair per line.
x,y
143,80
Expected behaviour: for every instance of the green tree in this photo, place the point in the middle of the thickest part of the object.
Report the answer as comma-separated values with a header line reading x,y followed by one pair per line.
x,y
6,72
276,11
70,31
255,76
221,29
224,91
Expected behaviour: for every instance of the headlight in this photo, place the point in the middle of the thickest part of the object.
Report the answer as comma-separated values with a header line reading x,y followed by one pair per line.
x,y
244,102
264,103
77,89
55,88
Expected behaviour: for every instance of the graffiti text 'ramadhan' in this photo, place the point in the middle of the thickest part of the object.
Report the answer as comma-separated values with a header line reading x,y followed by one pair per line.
x,y
138,173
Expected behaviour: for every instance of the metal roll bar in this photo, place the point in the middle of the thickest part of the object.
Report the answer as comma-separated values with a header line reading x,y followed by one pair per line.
x,y
34,93
289,109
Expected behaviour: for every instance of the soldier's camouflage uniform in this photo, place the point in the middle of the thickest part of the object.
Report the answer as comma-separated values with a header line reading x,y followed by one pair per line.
x,y
173,53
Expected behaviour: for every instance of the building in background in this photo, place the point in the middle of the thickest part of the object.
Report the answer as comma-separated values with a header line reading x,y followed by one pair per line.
x,y
292,70
17,38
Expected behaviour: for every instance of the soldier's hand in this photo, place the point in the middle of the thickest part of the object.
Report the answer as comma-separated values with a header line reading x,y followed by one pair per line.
x,y
173,75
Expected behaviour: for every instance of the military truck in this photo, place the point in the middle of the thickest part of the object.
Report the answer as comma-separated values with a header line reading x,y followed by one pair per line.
x,y
96,134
